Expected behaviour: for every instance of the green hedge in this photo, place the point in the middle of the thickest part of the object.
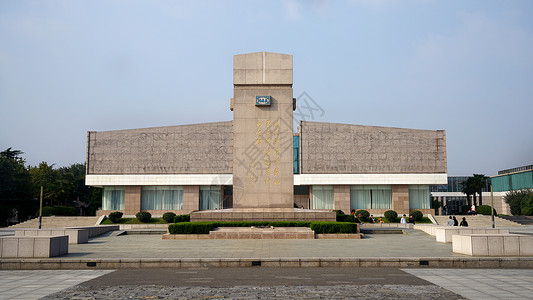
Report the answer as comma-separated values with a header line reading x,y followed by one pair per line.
x,y
485,210
182,218
205,227
334,227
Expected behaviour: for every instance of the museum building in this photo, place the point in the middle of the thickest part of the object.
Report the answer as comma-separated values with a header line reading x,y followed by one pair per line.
x,y
256,162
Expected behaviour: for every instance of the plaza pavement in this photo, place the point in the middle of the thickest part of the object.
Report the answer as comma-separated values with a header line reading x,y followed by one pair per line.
x,y
469,283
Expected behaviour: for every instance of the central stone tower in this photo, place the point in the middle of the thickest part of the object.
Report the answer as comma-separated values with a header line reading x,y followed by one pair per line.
x,y
262,108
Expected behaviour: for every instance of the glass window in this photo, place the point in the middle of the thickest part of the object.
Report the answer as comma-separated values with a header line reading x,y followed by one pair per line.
x,y
419,197
371,197
162,197
113,198
210,197
323,197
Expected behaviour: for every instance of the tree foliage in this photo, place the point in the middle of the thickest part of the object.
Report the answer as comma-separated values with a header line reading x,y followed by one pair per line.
x,y
520,202
20,187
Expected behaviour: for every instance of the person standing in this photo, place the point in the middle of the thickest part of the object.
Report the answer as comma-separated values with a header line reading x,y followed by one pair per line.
x,y
464,223
403,220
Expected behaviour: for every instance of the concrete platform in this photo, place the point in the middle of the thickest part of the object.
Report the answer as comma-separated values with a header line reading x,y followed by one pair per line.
x,y
493,244
33,246
444,234
75,236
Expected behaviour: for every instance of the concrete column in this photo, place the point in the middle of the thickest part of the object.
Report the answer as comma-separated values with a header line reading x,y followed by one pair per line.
x,y
341,197
400,199
191,198
132,199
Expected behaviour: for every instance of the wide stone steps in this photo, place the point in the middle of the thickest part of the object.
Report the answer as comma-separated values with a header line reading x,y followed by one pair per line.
x,y
479,221
57,222
524,220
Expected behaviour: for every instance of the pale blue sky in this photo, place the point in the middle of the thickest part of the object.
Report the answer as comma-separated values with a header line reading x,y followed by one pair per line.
x,y
67,67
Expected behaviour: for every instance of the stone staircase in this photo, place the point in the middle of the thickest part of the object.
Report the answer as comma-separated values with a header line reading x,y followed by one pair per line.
x,y
57,222
524,220
479,221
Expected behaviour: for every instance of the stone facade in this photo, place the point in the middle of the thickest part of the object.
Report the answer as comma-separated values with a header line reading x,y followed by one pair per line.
x,y
328,148
185,149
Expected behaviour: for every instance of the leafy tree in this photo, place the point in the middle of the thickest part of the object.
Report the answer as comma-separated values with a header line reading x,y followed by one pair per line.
x,y
469,189
519,201
15,186
479,182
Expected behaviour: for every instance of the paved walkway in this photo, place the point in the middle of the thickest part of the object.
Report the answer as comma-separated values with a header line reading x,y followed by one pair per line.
x,y
482,284
35,284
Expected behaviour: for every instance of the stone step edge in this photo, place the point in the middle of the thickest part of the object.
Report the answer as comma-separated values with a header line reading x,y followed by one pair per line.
x,y
169,236
391,262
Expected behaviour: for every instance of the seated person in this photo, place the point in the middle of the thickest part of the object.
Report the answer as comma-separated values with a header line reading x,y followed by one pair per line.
x,y
464,223
372,220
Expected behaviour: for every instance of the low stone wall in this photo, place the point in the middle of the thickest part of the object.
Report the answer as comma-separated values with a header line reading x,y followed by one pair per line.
x,y
97,230
262,233
33,246
427,228
444,234
75,236
493,244
144,226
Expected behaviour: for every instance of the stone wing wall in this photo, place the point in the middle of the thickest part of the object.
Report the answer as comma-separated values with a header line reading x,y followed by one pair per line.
x,y
329,148
184,149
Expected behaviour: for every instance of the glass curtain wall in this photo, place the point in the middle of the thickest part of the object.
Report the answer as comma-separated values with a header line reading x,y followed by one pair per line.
x,y
113,198
210,197
162,198
419,197
323,197
370,197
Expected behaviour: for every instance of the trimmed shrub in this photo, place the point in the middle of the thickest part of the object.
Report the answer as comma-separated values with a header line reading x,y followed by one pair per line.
x,y
417,215
182,218
191,228
169,217
333,227
391,215
364,215
484,210
115,216
143,216
339,212
345,218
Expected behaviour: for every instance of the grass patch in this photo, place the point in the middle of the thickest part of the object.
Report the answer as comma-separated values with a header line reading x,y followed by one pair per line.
x,y
134,221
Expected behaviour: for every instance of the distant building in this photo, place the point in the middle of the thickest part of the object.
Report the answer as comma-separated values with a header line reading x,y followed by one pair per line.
x,y
255,163
513,179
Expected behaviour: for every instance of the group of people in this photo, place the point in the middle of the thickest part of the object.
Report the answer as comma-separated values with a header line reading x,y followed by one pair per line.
x,y
404,220
452,221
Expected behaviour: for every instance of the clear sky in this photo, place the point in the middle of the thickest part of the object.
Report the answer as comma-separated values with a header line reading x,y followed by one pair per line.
x,y
68,67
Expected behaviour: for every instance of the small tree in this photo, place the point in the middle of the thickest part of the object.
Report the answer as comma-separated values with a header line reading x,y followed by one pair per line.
x,y
169,217
391,215
417,215
362,214
143,216
115,216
